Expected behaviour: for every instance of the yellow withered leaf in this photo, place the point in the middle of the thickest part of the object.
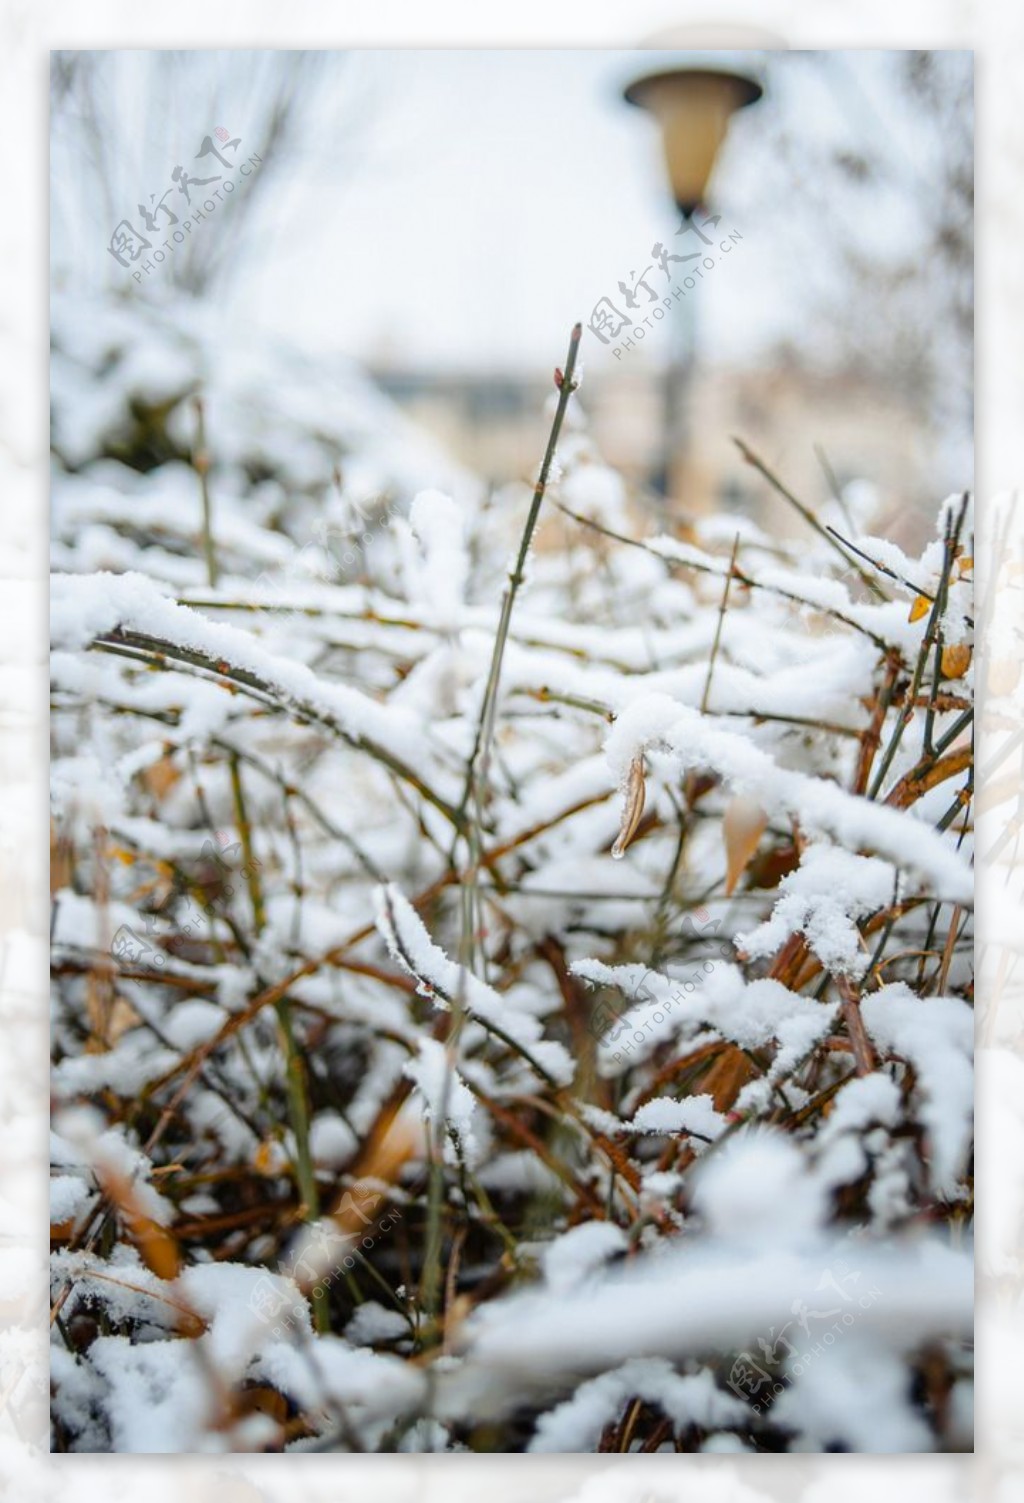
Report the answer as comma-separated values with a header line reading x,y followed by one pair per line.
x,y
921,606
956,659
269,1158
161,776
154,1243
742,827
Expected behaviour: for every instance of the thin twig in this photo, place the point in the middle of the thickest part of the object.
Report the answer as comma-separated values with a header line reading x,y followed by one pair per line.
x,y
152,649
745,579
805,512
723,607
480,760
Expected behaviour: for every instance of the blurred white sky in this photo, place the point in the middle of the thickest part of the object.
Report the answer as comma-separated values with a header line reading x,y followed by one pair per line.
x,y
463,208
510,191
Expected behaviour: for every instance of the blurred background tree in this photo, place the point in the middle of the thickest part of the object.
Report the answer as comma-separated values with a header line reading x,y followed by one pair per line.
x,y
285,105
872,226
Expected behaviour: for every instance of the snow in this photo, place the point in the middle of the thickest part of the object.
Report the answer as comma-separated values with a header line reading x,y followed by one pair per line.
x,y
134,1064
936,1036
446,1098
822,808
109,1155
521,1172
568,1260
443,981
84,608
332,1141
694,1114
595,491
69,1197
756,1192
193,1023
123,1287
853,1397
438,525
373,1389
373,1322
751,1014
693,1400
156,1400
831,890
300,416
712,1297
230,1298
872,1098
658,1156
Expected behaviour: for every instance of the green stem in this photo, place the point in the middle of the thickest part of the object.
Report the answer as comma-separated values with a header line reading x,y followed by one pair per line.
x,y
566,387
479,759
252,875
201,465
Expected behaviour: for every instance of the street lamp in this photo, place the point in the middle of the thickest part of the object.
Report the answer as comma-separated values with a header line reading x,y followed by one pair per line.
x,y
692,103
693,106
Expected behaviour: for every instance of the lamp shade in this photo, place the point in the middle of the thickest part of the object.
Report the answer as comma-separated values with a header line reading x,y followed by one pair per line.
x,y
693,107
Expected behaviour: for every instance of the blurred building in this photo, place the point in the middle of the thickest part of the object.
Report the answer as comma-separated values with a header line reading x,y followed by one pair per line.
x,y
815,431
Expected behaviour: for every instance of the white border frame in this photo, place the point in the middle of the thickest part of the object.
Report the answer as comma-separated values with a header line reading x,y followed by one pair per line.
x,y
28,30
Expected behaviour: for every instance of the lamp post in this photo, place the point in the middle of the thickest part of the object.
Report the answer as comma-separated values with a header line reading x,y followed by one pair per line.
x,y
692,103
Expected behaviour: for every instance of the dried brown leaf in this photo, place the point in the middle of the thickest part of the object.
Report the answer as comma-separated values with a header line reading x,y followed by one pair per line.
x,y
742,828
633,808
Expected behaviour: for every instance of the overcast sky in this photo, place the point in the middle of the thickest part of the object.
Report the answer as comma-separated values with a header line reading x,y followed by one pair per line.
x,y
507,193
463,208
